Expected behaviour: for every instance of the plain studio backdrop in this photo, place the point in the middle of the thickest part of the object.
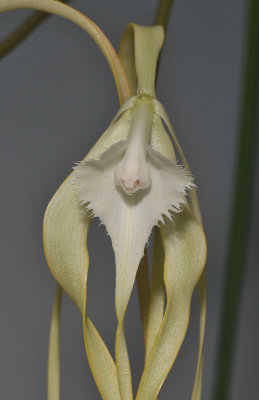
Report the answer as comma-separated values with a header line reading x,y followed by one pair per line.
x,y
57,96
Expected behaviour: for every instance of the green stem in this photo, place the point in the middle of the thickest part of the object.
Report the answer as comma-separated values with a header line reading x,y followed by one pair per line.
x,y
241,216
23,30
163,13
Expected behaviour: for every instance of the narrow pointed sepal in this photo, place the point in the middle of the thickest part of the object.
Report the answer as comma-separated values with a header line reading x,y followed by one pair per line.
x,y
65,229
185,254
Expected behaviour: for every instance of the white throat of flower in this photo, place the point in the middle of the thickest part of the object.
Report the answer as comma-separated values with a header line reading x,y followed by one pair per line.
x,y
132,173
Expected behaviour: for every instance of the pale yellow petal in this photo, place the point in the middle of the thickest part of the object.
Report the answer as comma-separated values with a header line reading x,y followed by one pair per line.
x,y
157,296
65,229
146,42
197,387
101,363
54,349
194,203
160,110
139,50
185,254
144,294
129,220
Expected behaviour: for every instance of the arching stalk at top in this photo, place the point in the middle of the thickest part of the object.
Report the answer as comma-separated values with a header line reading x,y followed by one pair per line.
x,y
65,11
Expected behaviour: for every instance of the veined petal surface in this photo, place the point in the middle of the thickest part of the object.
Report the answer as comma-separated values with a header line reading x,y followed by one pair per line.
x,y
65,231
129,219
185,254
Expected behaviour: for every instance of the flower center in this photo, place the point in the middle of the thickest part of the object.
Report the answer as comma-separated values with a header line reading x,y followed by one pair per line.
x,y
132,173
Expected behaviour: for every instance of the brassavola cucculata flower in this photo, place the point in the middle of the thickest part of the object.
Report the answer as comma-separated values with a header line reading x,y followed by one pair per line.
x,y
132,182
131,186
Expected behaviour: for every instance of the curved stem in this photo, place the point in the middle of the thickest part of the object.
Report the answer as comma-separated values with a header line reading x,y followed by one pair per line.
x,y
161,18
22,31
65,11
163,13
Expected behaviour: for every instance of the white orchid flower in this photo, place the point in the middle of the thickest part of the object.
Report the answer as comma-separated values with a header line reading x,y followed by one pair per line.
x,y
131,181
129,184
131,187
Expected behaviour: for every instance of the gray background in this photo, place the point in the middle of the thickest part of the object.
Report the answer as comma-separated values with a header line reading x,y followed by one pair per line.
x,y
51,88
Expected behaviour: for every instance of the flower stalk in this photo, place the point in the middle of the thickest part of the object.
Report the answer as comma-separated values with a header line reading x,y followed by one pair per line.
x,y
23,30
67,12
163,12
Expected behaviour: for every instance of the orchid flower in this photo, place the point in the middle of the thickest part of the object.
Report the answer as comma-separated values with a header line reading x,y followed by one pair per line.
x,y
131,187
132,182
